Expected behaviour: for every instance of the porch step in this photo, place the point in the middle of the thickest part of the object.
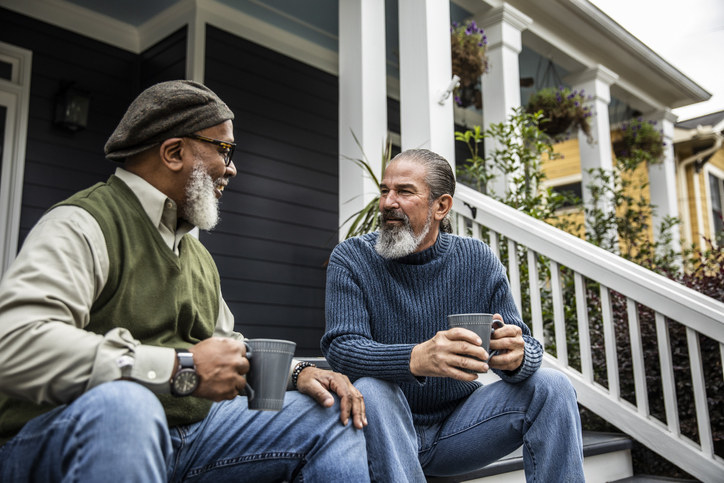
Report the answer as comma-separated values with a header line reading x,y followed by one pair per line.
x,y
607,458
652,479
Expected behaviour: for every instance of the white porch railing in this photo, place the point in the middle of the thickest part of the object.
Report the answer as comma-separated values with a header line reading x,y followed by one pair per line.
x,y
534,246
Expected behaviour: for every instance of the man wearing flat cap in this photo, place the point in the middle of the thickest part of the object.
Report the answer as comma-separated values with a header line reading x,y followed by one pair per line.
x,y
111,299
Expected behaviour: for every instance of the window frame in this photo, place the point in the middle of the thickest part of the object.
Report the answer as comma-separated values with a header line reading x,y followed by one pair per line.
x,y
15,97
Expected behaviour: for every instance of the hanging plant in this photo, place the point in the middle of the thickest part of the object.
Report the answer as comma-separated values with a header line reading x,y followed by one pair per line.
x,y
562,109
469,62
640,141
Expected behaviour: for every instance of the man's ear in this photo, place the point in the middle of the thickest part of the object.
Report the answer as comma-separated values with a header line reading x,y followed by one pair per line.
x,y
171,153
442,206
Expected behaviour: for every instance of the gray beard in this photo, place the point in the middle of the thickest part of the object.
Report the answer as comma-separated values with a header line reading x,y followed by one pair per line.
x,y
201,208
400,241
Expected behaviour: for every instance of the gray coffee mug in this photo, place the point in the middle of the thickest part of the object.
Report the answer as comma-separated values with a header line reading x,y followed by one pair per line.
x,y
269,361
482,324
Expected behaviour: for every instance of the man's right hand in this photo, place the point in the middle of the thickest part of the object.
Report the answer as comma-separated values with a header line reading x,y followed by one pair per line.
x,y
444,355
221,364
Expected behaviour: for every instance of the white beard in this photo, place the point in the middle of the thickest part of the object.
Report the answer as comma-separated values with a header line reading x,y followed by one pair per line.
x,y
201,208
400,241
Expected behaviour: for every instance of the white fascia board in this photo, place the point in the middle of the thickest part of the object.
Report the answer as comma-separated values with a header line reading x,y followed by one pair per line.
x,y
165,23
80,20
627,42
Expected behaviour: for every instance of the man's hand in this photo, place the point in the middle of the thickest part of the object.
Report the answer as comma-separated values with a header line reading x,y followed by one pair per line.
x,y
508,341
445,355
318,383
221,364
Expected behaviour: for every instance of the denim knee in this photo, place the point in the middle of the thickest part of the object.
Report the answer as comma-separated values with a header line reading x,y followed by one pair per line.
x,y
126,402
555,388
378,390
377,386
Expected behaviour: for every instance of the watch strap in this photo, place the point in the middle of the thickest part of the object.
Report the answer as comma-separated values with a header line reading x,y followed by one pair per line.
x,y
185,359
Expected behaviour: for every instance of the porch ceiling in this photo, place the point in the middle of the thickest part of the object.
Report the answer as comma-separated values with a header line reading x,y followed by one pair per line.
x,y
573,33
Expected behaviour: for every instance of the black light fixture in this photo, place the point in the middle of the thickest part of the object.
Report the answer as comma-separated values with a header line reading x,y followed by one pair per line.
x,y
71,107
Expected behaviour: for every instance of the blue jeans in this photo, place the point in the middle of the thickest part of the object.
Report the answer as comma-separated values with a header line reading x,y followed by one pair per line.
x,y
539,413
117,432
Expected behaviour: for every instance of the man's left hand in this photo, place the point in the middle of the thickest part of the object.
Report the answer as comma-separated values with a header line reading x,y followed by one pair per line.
x,y
508,341
318,383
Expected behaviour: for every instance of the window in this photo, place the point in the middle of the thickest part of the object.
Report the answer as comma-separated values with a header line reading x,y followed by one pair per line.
x,y
574,192
716,194
14,99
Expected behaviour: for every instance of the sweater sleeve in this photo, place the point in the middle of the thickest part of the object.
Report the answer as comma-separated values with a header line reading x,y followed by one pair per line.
x,y
531,362
347,342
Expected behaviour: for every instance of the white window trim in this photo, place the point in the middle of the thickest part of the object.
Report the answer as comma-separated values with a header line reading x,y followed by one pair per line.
x,y
15,96
709,169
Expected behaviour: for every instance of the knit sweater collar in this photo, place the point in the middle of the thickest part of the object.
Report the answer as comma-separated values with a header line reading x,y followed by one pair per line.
x,y
441,246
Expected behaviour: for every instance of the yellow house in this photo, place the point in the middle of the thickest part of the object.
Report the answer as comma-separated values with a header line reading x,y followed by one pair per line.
x,y
699,153
699,158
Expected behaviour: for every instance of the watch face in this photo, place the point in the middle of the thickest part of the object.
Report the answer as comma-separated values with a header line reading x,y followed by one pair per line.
x,y
185,382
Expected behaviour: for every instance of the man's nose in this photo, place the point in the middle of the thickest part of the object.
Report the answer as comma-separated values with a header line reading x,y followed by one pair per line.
x,y
230,170
390,200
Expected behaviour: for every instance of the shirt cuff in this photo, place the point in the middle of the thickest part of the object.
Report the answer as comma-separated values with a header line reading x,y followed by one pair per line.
x,y
153,366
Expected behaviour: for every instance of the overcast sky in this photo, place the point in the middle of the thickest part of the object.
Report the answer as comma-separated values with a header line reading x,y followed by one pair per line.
x,y
689,34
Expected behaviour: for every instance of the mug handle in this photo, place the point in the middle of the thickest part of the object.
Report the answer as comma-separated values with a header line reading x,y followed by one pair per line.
x,y
497,324
248,390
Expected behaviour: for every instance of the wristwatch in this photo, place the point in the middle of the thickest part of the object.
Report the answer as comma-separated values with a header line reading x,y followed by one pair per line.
x,y
186,379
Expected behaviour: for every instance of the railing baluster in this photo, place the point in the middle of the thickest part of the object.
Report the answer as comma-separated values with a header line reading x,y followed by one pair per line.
x,y
476,230
584,338
610,342
667,375
699,315
495,243
460,224
558,314
514,273
536,310
697,382
637,357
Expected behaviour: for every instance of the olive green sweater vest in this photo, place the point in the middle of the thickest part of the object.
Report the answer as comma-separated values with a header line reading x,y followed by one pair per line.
x,y
161,298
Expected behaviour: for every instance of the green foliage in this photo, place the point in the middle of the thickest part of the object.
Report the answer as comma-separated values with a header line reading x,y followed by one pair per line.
x,y
367,219
640,142
518,147
618,220
562,109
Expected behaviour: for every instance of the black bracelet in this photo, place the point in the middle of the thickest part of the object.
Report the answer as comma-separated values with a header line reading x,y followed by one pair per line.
x,y
298,369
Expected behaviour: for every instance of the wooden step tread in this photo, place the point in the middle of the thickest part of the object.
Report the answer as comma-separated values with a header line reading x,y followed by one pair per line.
x,y
594,443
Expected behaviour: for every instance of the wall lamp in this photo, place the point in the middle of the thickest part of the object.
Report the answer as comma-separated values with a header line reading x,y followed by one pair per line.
x,y
71,107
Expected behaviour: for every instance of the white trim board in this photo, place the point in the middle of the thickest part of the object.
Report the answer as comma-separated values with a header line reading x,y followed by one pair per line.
x,y
15,96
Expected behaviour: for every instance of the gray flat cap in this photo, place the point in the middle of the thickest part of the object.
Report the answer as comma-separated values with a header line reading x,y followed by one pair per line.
x,y
166,110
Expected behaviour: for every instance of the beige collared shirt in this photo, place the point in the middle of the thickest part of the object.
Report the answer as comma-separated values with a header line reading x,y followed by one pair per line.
x,y
45,301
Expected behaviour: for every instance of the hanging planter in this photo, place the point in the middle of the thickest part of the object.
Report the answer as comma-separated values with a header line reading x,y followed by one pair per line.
x,y
640,141
469,62
563,109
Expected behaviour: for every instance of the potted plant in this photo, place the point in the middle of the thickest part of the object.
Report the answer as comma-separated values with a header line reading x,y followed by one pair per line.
x,y
562,109
469,62
366,220
639,141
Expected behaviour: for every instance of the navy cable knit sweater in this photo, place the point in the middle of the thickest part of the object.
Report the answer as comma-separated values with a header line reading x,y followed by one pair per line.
x,y
377,310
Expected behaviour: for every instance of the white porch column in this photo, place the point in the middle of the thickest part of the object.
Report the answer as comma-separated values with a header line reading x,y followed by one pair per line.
x,y
501,84
425,74
596,83
662,177
362,102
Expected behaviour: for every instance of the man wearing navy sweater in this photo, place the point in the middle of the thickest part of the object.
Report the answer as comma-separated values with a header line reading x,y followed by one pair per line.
x,y
388,297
